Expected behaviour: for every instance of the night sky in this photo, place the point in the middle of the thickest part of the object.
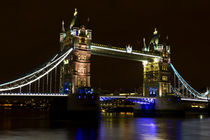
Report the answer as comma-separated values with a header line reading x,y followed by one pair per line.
x,y
29,36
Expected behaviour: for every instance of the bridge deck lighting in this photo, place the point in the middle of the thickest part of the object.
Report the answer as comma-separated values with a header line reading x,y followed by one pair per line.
x,y
145,63
156,60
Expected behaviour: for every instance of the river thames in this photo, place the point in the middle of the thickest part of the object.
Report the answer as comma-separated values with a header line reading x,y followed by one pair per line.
x,y
123,126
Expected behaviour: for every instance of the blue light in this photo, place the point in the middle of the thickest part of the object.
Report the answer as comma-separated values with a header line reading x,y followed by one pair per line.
x,y
77,32
130,99
153,91
149,127
85,90
67,86
147,106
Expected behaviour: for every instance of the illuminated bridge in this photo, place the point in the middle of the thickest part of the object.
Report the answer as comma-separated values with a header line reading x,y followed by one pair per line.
x,y
68,72
121,53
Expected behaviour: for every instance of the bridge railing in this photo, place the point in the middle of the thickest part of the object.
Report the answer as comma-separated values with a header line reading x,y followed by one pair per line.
x,y
134,99
107,46
34,94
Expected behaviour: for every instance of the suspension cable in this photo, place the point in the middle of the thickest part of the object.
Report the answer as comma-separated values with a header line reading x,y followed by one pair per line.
x,y
40,76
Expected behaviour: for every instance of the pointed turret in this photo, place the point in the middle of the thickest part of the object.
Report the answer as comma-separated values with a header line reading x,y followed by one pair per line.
x,y
75,21
144,40
75,12
155,31
63,32
63,27
167,45
144,45
155,38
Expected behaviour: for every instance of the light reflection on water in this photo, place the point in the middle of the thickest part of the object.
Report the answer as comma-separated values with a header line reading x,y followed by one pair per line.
x,y
123,126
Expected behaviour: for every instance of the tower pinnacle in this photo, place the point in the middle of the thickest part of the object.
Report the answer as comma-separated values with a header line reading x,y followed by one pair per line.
x,y
75,12
74,19
155,31
63,28
144,43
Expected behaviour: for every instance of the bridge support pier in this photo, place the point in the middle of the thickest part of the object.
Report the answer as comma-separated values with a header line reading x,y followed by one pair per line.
x,y
83,103
163,106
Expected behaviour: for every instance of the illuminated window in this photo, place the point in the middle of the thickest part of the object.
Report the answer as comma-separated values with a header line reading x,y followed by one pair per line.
x,y
82,70
66,61
79,83
165,88
164,78
164,67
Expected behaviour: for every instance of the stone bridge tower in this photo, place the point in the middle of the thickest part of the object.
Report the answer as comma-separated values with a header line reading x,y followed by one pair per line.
x,y
156,80
81,60
75,70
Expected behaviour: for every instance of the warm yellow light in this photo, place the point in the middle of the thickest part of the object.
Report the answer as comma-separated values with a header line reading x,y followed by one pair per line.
x,y
145,63
201,116
66,61
155,32
201,106
75,12
194,106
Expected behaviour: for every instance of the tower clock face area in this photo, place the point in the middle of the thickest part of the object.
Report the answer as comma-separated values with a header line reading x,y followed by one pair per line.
x,y
83,47
82,68
83,56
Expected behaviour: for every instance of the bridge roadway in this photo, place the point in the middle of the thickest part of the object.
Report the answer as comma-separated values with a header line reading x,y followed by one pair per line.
x,y
122,53
102,98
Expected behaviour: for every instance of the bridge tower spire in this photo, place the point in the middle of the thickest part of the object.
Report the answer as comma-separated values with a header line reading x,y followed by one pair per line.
x,y
144,45
63,27
74,19
62,34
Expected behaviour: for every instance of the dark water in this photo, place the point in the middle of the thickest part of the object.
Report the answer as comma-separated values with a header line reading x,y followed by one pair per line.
x,y
111,126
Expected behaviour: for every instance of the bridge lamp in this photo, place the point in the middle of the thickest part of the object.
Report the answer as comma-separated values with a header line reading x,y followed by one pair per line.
x,y
156,60
145,63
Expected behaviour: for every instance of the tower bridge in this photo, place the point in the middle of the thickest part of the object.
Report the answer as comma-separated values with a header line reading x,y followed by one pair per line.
x,y
67,74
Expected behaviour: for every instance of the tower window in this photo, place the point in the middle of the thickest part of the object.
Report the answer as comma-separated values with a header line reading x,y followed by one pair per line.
x,y
164,78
